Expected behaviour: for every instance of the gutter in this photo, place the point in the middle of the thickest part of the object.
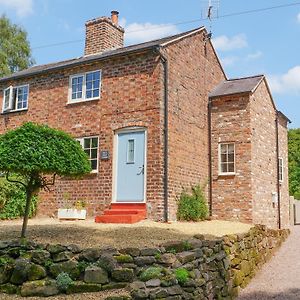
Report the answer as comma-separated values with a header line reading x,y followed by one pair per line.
x,y
209,156
277,160
164,61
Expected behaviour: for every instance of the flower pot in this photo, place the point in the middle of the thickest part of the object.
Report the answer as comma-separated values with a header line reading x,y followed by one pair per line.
x,y
71,214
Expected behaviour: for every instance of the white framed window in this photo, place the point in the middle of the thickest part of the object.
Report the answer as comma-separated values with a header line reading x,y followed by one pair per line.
x,y
90,146
84,87
227,159
131,151
15,98
280,165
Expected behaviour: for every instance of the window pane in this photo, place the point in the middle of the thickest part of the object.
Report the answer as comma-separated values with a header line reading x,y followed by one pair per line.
x,y
94,142
230,148
93,84
89,85
88,94
89,77
6,98
130,151
224,168
223,158
94,164
87,143
231,167
77,84
96,93
223,149
231,157
94,153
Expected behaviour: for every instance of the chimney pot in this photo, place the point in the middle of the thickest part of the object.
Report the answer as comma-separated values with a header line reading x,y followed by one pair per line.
x,y
115,17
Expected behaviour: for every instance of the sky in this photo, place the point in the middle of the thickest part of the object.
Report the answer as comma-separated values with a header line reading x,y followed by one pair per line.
x,y
262,42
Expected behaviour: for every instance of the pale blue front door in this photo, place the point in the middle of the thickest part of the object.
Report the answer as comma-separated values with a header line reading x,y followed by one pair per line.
x,y
130,167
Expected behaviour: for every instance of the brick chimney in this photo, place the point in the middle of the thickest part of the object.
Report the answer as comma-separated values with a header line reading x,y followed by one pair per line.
x,y
103,34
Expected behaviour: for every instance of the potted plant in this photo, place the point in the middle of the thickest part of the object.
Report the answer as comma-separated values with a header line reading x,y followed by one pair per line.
x,y
76,211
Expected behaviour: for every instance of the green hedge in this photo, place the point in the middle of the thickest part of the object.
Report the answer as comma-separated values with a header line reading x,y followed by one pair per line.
x,y
13,199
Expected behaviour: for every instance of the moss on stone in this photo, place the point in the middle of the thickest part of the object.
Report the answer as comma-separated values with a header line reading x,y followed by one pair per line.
x,y
151,273
124,258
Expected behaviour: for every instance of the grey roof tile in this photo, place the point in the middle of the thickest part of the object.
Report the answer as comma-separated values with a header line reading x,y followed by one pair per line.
x,y
236,86
90,58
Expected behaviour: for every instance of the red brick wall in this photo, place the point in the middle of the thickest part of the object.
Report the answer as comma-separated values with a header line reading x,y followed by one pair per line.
x,y
193,72
131,95
232,195
102,35
249,122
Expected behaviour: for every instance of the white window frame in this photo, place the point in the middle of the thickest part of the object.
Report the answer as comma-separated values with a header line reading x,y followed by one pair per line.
x,y
10,108
81,141
280,169
83,99
220,160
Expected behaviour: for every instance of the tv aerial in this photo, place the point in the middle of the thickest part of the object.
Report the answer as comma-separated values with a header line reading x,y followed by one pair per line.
x,y
209,12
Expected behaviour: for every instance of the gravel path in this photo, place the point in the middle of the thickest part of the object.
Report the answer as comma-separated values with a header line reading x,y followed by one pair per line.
x,y
279,279
90,234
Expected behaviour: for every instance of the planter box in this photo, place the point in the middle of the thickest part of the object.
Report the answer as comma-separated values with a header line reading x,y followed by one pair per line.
x,y
71,214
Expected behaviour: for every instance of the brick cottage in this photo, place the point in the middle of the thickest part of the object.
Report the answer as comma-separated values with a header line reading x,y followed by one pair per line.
x,y
154,118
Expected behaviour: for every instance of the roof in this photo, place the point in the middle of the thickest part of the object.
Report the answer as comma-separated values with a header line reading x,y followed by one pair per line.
x,y
105,55
237,86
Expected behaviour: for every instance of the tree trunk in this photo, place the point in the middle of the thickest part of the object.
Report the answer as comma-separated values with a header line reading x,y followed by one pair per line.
x,y
26,213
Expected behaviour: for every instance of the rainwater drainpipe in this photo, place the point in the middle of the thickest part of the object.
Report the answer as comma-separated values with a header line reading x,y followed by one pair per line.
x,y
278,179
209,156
164,61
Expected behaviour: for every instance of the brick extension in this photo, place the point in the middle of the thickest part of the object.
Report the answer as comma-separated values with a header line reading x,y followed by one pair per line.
x,y
132,95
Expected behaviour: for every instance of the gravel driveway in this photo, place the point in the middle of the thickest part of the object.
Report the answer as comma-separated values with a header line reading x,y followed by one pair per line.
x,y
90,234
280,277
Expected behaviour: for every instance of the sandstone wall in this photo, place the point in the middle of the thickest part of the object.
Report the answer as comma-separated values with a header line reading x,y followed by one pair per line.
x,y
194,269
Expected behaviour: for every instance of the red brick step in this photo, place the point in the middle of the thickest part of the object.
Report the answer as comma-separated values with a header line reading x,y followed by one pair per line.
x,y
123,213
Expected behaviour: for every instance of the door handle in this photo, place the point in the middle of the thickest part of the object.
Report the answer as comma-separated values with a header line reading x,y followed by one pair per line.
x,y
141,170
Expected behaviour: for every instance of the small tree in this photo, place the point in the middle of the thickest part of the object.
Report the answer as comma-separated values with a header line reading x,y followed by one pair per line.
x,y
32,155
15,52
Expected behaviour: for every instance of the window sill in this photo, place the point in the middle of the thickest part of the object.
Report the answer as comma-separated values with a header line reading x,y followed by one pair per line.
x,y
70,102
226,174
13,111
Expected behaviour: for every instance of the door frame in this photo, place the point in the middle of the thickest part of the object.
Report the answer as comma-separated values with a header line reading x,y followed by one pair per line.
x,y
115,161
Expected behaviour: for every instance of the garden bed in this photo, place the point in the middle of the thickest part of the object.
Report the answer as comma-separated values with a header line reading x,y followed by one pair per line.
x,y
88,234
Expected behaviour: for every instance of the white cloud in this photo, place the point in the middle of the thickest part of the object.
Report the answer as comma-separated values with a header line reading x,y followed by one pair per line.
x,y
142,32
225,43
298,18
288,82
23,8
255,55
229,60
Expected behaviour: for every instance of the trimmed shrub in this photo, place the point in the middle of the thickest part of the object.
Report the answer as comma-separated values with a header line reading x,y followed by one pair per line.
x,y
13,201
192,207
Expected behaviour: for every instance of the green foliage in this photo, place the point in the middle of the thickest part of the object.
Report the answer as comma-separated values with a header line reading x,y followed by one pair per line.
x,y
15,52
13,199
151,273
82,265
294,162
192,207
5,260
182,275
63,281
34,149
187,246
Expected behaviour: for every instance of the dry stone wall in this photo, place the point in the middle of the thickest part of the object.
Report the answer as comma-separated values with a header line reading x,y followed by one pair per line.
x,y
194,269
